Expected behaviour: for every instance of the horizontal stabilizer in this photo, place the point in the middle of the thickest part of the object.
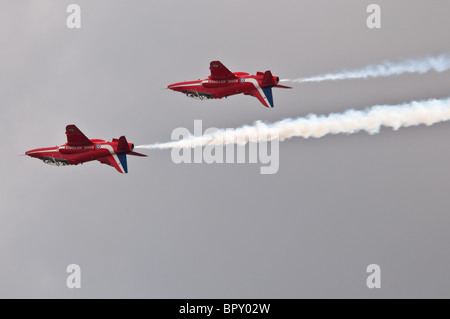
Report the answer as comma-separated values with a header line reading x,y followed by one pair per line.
x,y
283,86
268,80
137,154
123,146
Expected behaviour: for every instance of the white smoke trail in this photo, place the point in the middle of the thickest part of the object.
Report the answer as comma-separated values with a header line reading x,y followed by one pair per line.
x,y
426,112
439,63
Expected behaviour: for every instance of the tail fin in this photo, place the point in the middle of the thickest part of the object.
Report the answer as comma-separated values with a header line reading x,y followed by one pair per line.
x,y
123,148
123,160
268,93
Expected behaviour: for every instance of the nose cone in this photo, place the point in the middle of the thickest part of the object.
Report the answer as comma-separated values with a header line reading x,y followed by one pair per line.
x,y
177,87
32,153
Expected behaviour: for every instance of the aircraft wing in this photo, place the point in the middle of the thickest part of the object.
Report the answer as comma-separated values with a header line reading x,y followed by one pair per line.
x,y
113,160
264,95
219,72
75,137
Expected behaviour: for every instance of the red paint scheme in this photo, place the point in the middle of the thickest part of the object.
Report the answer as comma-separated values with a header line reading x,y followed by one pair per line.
x,y
79,149
222,83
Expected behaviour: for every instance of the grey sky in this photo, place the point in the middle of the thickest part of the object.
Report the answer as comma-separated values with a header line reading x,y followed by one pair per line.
x,y
336,205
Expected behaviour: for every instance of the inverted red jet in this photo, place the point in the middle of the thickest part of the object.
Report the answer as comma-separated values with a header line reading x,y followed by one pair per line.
x,y
222,83
79,149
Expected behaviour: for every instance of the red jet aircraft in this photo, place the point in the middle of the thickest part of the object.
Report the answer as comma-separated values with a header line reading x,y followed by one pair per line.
x,y
79,149
222,83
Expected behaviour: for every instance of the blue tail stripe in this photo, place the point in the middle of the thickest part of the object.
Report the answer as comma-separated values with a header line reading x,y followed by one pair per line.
x,y
268,92
123,160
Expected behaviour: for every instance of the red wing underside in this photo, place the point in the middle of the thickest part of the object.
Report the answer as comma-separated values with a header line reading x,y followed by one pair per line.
x,y
75,137
219,72
112,161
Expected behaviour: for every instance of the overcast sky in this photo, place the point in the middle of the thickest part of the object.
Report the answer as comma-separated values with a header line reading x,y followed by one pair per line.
x,y
336,205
